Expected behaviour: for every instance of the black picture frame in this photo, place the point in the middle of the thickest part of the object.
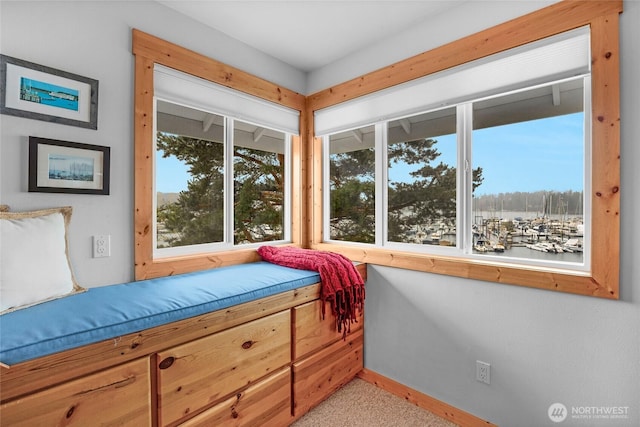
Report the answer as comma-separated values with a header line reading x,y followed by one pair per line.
x,y
38,92
68,167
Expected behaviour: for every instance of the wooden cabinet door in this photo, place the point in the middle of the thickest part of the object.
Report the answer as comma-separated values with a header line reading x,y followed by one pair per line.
x,y
267,403
119,396
319,375
311,332
197,374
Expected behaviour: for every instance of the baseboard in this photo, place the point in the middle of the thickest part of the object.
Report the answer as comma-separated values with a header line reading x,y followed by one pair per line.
x,y
441,409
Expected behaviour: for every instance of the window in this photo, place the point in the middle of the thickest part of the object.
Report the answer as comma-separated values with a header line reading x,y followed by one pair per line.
x,y
192,152
521,137
421,179
426,84
217,162
190,181
531,147
352,186
260,184
189,177
522,199
558,85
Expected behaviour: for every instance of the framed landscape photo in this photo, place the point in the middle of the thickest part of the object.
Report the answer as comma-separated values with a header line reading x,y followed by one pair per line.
x,y
68,167
42,93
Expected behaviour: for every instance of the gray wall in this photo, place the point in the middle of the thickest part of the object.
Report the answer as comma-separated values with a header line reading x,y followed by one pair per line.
x,y
423,330
93,39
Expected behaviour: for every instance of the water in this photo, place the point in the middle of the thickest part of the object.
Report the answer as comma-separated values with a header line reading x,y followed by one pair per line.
x,y
48,94
519,250
46,99
525,215
526,253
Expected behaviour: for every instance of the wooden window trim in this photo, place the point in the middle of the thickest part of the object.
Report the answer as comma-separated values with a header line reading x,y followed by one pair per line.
x,y
601,16
150,50
603,19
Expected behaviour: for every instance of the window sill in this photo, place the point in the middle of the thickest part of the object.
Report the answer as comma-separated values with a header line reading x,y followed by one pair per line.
x,y
574,282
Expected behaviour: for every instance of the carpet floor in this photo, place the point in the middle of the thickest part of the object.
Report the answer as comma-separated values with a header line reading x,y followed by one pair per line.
x,y
361,404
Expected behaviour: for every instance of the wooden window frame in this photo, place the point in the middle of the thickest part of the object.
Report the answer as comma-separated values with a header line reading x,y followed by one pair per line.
x,y
150,50
306,225
603,19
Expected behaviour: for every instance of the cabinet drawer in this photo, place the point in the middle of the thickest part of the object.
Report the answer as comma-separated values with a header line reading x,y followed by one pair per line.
x,y
265,403
199,373
320,374
117,396
312,332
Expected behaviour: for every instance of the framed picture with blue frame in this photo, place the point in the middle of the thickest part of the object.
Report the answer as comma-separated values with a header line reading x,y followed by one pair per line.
x,y
38,92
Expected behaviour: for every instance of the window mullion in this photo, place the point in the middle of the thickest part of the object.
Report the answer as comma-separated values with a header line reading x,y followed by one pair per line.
x,y
464,177
588,170
288,186
381,183
228,182
326,185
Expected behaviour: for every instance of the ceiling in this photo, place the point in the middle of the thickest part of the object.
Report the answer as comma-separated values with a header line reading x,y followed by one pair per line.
x,y
308,34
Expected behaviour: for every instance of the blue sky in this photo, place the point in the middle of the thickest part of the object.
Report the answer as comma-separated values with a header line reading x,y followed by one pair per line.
x,y
544,154
171,174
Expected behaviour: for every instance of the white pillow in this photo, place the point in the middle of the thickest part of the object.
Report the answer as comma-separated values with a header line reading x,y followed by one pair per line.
x,y
34,261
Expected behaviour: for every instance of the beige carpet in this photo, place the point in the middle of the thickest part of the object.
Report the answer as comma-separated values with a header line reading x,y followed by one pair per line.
x,y
360,403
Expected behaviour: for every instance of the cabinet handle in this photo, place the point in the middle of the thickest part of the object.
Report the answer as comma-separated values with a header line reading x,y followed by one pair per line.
x,y
247,344
166,363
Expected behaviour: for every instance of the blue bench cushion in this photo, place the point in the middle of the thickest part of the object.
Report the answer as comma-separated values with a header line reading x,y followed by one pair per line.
x,y
112,311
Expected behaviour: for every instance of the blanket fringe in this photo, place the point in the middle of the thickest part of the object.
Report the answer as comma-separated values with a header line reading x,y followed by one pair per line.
x,y
341,283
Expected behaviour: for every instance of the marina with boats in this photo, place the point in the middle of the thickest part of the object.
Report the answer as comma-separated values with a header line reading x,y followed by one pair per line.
x,y
537,234
536,237
521,236
548,232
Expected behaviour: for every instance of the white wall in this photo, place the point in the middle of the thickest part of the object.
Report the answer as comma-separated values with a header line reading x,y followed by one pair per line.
x,y
427,331
93,39
423,330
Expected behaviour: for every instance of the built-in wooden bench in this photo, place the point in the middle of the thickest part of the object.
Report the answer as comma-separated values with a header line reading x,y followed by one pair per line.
x,y
240,345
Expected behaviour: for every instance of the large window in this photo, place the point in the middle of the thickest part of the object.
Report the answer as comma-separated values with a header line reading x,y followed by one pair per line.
x,y
390,201
522,186
421,179
192,149
352,186
521,197
217,161
531,147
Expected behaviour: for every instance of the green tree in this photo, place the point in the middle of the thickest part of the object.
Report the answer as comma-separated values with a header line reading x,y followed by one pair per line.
x,y
198,214
430,197
259,196
352,183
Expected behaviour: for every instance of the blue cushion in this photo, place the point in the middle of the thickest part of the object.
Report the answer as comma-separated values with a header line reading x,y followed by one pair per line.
x,y
112,311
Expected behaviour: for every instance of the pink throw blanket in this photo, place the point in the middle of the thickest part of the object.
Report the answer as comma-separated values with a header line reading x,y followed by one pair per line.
x,y
341,283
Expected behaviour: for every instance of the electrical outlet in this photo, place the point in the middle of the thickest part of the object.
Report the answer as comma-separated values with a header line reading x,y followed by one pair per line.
x,y
483,372
101,246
